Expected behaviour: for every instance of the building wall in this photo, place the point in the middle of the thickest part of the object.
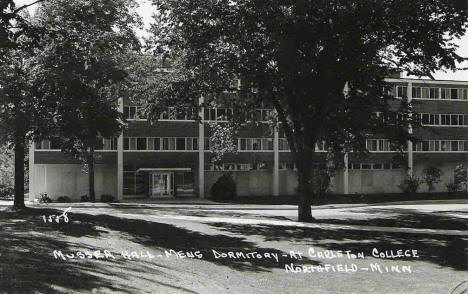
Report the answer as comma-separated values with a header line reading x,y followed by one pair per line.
x,y
70,180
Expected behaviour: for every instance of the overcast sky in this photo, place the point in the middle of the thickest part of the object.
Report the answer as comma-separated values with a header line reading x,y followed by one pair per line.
x,y
146,10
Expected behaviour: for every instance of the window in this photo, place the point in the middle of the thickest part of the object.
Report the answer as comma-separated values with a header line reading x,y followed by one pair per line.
x,y
445,145
256,144
454,93
141,143
416,92
109,144
130,144
168,144
434,93
445,93
180,143
283,144
267,144
401,92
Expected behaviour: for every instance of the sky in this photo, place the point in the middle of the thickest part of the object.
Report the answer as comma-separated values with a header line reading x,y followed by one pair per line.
x,y
146,11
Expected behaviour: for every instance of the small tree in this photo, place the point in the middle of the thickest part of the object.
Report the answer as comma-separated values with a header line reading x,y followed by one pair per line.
x,y
461,177
431,176
410,185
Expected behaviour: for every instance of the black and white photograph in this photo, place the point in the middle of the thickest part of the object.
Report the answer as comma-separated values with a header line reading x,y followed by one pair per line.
x,y
234,146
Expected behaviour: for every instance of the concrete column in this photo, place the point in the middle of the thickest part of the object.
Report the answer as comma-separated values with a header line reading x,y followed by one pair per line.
x,y
410,131
201,151
346,175
32,190
276,161
120,159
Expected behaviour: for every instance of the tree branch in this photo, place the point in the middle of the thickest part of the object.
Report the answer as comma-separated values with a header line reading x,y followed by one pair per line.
x,y
26,6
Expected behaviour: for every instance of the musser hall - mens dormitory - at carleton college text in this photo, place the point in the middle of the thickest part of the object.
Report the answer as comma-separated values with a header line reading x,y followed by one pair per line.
x,y
166,159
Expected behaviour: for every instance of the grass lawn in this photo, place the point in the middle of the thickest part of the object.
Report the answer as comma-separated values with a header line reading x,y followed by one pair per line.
x,y
27,243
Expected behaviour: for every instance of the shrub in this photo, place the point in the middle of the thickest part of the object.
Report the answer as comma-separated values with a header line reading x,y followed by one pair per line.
x,y
410,185
224,188
461,177
64,199
84,198
6,192
107,198
431,176
452,187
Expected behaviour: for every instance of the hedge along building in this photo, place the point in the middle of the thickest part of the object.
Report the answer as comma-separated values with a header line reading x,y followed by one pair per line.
x,y
172,157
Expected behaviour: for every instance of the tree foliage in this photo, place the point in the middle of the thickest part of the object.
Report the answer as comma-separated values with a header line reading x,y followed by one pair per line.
x,y
320,64
79,67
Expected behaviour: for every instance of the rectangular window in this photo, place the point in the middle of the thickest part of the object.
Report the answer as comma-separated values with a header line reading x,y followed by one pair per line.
x,y
377,166
372,145
402,92
366,166
180,143
454,93
126,112
132,112
207,144
141,143
445,145
416,92
434,93
465,145
168,143
425,93
464,94
454,120
425,145
454,146
256,144
267,144
126,142
445,93
243,144
283,144
426,119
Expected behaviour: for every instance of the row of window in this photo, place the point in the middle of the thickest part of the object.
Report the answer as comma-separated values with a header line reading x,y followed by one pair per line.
x,y
432,93
379,145
444,119
172,143
103,144
441,145
373,166
210,114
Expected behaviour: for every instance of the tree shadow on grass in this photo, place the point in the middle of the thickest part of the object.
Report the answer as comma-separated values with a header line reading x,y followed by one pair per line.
x,y
27,264
443,250
405,218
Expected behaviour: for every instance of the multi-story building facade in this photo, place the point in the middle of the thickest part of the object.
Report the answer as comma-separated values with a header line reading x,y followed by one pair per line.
x,y
172,156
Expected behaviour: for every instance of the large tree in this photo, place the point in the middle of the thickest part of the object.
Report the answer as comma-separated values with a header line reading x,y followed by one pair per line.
x,y
79,66
20,111
321,64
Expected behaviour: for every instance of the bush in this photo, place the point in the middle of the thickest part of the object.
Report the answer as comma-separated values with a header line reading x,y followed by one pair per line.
x,y
6,192
452,187
84,198
224,188
410,185
64,199
431,176
107,198
461,177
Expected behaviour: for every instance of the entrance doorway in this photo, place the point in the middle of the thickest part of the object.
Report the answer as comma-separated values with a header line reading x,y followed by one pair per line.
x,y
162,184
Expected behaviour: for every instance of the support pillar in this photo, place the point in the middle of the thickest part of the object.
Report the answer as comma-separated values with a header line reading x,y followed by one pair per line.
x,y
201,151
346,175
32,190
276,162
120,159
410,131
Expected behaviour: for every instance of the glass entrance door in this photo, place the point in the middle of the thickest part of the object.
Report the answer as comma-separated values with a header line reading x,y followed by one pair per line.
x,y
162,184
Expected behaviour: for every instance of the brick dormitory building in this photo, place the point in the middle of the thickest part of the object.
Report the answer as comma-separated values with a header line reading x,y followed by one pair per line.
x,y
172,157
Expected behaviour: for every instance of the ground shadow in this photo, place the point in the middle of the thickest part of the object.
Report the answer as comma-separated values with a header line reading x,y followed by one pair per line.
x,y
405,218
444,250
27,264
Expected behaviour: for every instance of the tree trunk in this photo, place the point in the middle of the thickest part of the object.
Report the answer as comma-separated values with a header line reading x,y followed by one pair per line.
x,y
19,171
304,170
90,163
